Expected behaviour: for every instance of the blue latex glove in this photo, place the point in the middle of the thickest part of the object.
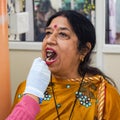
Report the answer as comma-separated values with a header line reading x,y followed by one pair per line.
x,y
38,78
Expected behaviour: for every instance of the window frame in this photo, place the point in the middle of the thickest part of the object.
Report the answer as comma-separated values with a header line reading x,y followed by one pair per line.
x,y
101,48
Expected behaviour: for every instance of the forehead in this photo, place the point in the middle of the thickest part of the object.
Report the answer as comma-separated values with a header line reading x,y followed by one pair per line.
x,y
59,22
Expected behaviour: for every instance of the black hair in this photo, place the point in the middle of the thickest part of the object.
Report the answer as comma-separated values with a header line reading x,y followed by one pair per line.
x,y
85,31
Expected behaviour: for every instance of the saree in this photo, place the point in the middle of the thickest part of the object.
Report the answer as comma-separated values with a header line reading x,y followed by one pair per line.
x,y
94,99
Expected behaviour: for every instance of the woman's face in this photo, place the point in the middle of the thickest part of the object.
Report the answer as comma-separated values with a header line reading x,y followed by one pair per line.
x,y
59,48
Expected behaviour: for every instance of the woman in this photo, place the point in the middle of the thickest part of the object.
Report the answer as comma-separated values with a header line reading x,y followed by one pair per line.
x,y
76,91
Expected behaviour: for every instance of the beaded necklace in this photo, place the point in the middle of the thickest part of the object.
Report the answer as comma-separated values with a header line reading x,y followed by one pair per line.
x,y
58,116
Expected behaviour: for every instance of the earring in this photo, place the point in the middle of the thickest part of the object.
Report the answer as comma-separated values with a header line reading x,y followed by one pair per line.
x,y
81,59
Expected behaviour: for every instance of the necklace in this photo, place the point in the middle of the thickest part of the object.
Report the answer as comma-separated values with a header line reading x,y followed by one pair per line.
x,y
58,116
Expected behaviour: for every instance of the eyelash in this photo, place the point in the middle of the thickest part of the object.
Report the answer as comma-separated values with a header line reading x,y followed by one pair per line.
x,y
48,32
60,34
63,34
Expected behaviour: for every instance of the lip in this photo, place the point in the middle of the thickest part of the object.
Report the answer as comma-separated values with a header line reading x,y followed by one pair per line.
x,y
51,61
48,48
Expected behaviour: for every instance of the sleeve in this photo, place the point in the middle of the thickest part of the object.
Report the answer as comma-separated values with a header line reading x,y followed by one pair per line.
x,y
112,104
26,109
19,93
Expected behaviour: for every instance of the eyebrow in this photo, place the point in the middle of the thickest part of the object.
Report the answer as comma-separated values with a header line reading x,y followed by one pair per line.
x,y
61,28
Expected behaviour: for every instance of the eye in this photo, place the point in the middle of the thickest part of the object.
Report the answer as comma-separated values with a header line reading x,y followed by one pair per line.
x,y
48,33
63,35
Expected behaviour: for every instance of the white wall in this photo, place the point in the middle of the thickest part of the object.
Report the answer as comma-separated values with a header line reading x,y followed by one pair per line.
x,y
20,63
111,64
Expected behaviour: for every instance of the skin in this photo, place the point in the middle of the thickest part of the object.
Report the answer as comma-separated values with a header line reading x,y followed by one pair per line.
x,y
61,38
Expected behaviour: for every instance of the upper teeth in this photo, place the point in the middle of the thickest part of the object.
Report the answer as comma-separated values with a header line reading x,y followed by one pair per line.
x,y
49,53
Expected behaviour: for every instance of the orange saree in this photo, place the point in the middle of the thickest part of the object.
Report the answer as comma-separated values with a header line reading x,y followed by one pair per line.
x,y
96,100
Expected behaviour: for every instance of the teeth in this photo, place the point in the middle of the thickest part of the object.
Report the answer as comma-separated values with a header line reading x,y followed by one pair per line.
x,y
49,50
49,53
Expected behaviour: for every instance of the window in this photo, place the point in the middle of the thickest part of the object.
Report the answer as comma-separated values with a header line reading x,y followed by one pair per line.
x,y
112,21
38,13
43,9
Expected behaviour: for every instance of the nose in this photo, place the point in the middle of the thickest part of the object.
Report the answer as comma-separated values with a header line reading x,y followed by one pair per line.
x,y
52,39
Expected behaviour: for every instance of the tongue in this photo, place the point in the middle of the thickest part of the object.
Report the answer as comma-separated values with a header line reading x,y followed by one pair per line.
x,y
51,58
49,61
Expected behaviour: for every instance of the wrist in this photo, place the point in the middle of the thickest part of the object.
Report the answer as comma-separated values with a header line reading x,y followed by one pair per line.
x,y
34,91
34,97
37,99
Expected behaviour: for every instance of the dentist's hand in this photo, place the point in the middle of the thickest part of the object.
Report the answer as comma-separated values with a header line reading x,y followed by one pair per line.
x,y
38,78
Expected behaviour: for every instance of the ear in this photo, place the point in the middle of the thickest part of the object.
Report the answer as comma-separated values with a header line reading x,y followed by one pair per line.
x,y
88,45
85,50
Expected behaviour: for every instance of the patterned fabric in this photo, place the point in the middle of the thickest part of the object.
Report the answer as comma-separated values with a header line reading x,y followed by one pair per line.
x,y
96,100
101,99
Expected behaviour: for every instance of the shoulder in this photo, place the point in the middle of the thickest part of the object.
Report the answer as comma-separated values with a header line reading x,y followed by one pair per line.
x,y
110,89
101,83
112,103
112,92
111,97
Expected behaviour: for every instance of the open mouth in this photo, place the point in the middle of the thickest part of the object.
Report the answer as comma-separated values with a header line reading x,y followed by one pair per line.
x,y
50,56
